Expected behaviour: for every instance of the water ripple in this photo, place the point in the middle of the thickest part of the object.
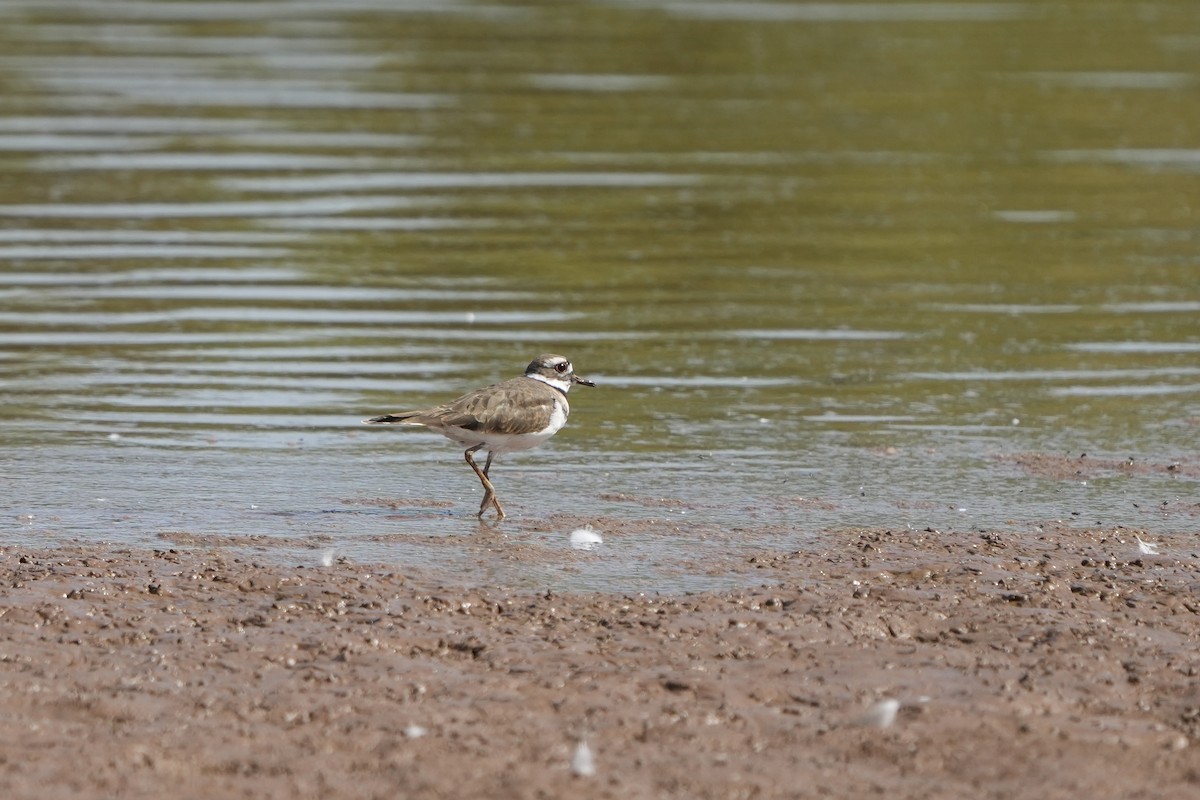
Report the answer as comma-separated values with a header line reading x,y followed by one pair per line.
x,y
848,12
1135,347
225,162
133,251
1138,390
272,315
242,275
1042,375
449,180
336,204
814,334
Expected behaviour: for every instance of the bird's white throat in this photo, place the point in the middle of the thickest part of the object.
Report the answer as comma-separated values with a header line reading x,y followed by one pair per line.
x,y
562,385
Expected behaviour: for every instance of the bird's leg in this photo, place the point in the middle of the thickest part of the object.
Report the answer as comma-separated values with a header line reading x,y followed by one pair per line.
x,y
489,491
495,500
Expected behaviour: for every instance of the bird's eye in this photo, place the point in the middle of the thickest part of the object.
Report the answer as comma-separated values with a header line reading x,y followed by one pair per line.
x,y
562,366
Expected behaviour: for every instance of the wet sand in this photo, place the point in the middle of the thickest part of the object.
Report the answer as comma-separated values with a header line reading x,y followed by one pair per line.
x,y
1044,662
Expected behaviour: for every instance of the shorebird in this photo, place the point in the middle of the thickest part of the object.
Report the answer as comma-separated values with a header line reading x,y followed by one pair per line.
x,y
518,414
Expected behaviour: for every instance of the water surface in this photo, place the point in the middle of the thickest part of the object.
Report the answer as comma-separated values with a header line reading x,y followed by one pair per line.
x,y
831,265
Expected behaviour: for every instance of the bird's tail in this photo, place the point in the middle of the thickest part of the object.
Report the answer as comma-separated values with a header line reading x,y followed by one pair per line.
x,y
388,419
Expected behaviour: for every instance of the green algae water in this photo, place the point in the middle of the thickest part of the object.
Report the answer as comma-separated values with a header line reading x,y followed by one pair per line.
x,y
831,264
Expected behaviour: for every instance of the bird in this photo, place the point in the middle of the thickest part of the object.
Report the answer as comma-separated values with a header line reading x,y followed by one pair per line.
x,y
518,414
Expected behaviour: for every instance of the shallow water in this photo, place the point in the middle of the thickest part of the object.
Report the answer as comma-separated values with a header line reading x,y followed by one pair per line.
x,y
831,265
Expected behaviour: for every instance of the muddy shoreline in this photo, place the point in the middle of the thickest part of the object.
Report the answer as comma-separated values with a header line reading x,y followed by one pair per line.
x,y
1044,661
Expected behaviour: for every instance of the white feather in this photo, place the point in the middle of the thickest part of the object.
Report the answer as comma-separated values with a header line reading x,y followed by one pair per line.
x,y
582,763
585,538
881,714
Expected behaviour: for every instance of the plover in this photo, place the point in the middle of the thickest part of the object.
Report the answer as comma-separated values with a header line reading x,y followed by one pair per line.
x,y
517,414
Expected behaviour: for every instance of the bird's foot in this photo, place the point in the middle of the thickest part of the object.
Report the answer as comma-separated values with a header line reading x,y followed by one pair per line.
x,y
490,500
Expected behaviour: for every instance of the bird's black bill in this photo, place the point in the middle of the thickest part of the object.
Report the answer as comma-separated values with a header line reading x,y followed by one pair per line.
x,y
584,381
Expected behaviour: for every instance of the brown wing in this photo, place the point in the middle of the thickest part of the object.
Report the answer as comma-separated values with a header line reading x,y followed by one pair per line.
x,y
489,410
516,406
